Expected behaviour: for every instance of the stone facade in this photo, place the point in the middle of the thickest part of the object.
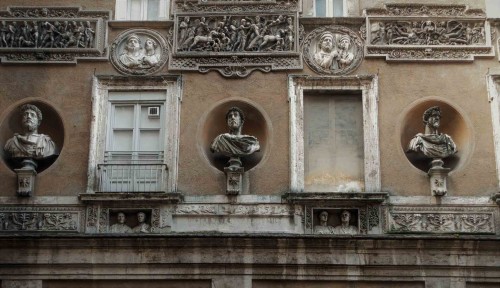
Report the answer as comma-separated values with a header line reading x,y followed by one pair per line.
x,y
136,198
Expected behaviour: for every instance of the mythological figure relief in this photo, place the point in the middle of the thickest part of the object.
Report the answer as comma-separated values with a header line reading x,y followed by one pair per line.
x,y
139,52
47,34
266,33
428,32
333,50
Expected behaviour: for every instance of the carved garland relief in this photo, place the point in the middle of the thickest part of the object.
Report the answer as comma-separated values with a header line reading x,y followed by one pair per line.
x,y
333,50
59,35
433,220
40,219
139,52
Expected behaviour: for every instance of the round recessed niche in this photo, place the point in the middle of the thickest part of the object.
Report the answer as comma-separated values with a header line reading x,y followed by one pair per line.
x,y
51,125
452,123
214,123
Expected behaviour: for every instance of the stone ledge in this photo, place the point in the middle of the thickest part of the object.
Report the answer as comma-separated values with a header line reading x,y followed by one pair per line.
x,y
156,197
338,197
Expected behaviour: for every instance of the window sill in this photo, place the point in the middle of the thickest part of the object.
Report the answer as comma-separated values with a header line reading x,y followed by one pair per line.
x,y
129,197
338,197
140,23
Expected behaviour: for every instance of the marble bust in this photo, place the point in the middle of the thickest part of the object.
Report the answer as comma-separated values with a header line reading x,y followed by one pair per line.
x,y
120,227
344,227
234,144
30,144
431,143
323,227
142,227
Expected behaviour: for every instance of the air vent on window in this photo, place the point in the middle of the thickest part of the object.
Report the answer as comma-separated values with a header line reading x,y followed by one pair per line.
x,y
154,112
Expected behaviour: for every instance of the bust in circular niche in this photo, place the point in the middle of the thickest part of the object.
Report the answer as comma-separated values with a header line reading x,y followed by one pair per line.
x,y
431,143
234,144
30,144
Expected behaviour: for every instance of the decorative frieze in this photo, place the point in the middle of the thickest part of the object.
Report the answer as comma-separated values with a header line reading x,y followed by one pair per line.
x,y
439,220
52,34
417,32
245,37
40,219
243,210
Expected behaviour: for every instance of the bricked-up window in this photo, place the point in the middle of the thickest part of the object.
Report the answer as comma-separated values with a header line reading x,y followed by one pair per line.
x,y
334,145
324,8
333,142
142,10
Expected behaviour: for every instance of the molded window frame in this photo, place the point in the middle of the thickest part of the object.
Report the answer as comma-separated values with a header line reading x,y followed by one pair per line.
x,y
123,10
368,85
102,85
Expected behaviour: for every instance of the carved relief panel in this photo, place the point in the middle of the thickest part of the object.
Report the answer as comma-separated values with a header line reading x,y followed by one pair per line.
x,y
235,38
139,52
52,34
409,32
40,219
479,220
334,50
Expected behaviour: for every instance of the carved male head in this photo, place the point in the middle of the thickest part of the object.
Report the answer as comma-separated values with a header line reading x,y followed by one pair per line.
x,y
432,117
326,42
121,217
31,117
345,216
141,217
133,43
323,216
235,118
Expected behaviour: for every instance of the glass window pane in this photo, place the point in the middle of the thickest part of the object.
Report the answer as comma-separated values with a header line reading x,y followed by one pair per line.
x,y
124,116
321,8
135,10
333,143
149,122
338,8
122,140
149,140
153,9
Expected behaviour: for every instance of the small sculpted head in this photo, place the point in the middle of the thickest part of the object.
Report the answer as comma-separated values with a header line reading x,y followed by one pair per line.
x,y
235,118
141,217
133,43
326,42
345,217
344,42
323,217
432,117
31,117
150,44
121,217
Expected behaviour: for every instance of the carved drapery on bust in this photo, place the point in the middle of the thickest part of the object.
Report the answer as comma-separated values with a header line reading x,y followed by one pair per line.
x,y
343,229
139,52
30,144
234,144
334,50
431,143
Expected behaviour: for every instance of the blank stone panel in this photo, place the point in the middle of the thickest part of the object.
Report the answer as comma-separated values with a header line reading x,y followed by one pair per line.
x,y
333,143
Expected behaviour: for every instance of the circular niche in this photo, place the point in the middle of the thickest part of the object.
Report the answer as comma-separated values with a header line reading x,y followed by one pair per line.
x,y
51,125
451,123
214,124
